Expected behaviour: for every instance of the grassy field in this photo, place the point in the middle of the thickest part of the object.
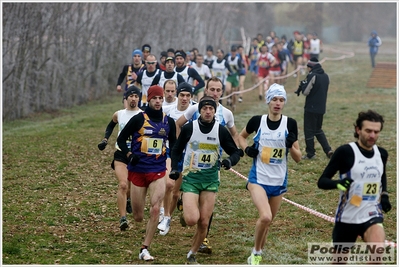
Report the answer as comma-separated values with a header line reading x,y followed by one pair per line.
x,y
59,192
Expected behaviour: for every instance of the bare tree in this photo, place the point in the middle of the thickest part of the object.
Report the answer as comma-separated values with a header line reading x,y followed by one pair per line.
x,y
57,55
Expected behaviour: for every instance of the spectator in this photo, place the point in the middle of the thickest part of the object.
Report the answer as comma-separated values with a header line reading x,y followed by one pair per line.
x,y
374,43
315,88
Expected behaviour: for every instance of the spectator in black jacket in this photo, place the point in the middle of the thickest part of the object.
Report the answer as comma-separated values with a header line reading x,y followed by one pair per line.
x,y
315,88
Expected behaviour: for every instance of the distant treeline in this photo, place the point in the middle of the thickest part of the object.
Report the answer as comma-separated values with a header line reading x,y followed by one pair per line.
x,y
57,55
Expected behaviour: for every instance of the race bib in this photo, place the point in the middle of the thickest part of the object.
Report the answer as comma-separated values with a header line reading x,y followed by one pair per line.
x,y
263,64
202,160
367,192
218,74
370,191
152,146
272,155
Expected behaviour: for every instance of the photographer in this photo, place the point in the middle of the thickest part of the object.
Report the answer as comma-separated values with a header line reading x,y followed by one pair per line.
x,y
315,88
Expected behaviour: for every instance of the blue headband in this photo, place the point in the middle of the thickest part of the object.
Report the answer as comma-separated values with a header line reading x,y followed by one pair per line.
x,y
137,52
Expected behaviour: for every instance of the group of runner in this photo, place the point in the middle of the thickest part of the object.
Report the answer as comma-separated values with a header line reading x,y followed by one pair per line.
x,y
180,75
271,57
171,134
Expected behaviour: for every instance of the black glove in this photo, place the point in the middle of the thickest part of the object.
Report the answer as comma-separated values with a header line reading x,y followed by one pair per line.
x,y
290,139
174,175
226,163
385,204
251,151
241,152
134,159
102,144
344,184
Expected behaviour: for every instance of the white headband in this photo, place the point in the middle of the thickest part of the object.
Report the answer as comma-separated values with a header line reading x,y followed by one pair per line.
x,y
275,90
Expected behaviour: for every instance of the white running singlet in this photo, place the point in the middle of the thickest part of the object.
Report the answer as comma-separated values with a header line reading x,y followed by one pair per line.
x,y
201,159
219,70
184,73
315,46
360,203
162,79
270,166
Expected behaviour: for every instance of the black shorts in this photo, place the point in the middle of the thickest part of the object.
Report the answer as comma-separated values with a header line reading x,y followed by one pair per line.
x,y
119,156
295,57
348,232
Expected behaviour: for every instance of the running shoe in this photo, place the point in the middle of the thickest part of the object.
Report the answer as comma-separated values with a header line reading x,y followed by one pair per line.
x,y
240,99
192,260
123,224
145,255
205,247
128,206
164,226
254,259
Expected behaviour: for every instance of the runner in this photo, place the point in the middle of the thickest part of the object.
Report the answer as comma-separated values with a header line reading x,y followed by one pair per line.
x,y
243,71
265,60
172,192
202,140
209,57
205,73
297,51
189,74
276,136
362,184
168,74
120,161
214,89
130,72
232,81
253,57
221,68
275,70
162,59
149,131
316,46
145,78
